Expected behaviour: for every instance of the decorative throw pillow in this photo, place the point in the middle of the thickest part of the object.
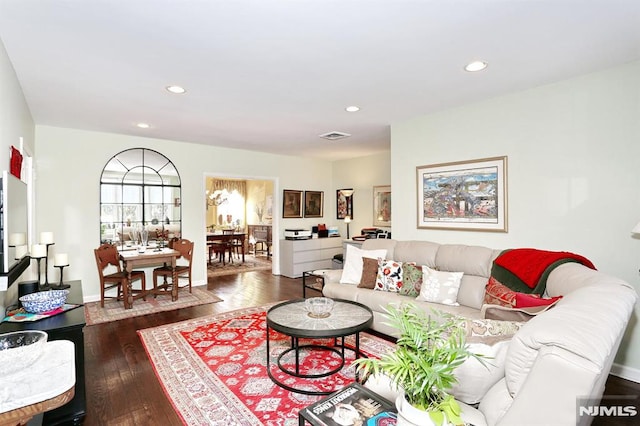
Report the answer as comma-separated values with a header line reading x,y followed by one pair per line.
x,y
497,293
439,286
389,276
489,331
369,273
352,267
411,279
524,300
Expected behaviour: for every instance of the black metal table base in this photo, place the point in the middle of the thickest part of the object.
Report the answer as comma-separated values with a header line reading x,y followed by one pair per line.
x,y
296,347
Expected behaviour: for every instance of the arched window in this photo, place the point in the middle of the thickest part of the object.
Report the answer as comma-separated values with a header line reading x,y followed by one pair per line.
x,y
139,187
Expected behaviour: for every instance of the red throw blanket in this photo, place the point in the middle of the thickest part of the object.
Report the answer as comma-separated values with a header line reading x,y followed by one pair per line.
x,y
529,264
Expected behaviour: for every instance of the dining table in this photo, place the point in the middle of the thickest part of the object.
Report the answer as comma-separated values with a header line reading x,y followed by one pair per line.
x,y
218,236
134,258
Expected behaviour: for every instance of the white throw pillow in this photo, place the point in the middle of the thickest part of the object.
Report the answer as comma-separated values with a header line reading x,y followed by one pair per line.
x,y
474,378
439,286
352,267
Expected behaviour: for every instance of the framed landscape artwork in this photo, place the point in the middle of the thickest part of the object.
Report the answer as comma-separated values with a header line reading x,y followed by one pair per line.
x,y
313,203
291,204
465,195
382,205
344,203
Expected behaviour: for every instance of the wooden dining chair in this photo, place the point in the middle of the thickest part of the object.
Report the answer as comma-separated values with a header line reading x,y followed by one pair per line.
x,y
236,244
223,245
183,270
107,257
261,237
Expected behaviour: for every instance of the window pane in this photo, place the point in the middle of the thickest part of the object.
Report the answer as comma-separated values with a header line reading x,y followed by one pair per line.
x,y
155,213
132,212
110,193
131,194
153,194
151,177
110,213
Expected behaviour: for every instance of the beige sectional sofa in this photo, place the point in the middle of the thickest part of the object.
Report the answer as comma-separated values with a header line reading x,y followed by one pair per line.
x,y
558,356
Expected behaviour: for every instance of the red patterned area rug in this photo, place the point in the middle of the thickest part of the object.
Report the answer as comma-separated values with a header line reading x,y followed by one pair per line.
x,y
213,369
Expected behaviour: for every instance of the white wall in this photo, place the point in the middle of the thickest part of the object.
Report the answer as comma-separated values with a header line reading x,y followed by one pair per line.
x,y
574,152
361,174
15,123
69,164
15,117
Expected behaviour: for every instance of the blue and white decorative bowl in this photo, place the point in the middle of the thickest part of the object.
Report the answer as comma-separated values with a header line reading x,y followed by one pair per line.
x,y
44,301
20,349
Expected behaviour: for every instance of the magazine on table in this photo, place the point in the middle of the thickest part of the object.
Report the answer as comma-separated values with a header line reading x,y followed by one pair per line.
x,y
353,406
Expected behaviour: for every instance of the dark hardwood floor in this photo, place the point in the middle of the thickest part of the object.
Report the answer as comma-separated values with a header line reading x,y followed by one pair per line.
x,y
122,388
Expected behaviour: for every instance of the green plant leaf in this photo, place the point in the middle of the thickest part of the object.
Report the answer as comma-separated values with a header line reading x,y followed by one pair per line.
x,y
429,348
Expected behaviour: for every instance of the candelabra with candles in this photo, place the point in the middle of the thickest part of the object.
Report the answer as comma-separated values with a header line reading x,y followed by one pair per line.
x,y
39,252
18,241
46,239
61,261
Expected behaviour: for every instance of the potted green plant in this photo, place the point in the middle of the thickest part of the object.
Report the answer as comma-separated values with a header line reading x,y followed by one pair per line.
x,y
428,350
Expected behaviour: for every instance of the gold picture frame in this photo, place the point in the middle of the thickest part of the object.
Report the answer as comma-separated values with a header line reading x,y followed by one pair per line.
x,y
313,203
463,195
291,204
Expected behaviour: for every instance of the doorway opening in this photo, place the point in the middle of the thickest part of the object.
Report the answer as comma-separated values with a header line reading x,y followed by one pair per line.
x,y
244,206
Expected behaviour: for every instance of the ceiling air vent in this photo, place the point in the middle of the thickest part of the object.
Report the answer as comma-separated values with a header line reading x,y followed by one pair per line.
x,y
332,136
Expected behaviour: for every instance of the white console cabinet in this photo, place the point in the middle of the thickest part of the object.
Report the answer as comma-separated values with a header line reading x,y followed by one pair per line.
x,y
298,256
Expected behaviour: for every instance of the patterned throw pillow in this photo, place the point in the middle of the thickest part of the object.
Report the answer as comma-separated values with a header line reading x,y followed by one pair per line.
x,y
439,286
497,293
389,276
412,279
489,331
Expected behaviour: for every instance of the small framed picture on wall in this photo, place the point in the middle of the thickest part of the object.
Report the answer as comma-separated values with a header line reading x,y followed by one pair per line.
x,y
313,203
344,203
382,205
291,204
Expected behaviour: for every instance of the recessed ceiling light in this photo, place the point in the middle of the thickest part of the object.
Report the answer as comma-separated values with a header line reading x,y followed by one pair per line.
x,y
352,108
475,66
143,125
176,89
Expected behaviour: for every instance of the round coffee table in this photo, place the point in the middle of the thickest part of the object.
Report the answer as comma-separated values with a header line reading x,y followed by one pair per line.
x,y
291,318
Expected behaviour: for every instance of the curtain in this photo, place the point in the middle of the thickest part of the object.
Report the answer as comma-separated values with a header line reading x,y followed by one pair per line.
x,y
229,185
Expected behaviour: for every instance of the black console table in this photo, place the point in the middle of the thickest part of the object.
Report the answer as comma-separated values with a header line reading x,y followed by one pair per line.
x,y
66,326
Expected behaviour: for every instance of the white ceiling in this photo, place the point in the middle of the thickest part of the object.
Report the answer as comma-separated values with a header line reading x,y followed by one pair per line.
x,y
272,75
